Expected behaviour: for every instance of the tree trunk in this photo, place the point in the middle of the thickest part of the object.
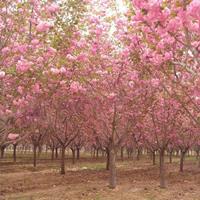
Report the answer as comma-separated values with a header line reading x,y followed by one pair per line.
x,y
162,169
97,154
182,160
112,169
56,153
77,153
52,153
34,155
170,156
73,155
62,166
138,154
197,154
14,152
199,162
127,153
2,151
122,153
108,159
154,157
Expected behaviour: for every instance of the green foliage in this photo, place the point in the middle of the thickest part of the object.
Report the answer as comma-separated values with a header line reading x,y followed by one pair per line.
x,y
71,12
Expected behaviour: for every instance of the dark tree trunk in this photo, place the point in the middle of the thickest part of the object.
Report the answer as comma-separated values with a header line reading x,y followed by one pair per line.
x,y
154,157
77,153
182,160
73,155
122,153
108,159
62,166
52,153
138,154
93,152
97,154
112,169
197,154
199,162
170,156
56,153
34,155
162,169
2,151
128,153
14,153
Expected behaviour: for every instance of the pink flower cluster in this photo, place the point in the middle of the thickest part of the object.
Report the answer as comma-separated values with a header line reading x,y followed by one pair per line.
x,y
44,26
75,87
53,8
13,136
23,65
2,74
62,70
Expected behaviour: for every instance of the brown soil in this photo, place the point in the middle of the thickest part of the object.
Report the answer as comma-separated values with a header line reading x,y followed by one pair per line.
x,y
137,180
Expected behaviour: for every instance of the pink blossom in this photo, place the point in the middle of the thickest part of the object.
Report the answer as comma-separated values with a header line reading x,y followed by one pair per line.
x,y
173,25
53,8
35,41
40,59
22,48
13,136
81,43
36,88
62,70
82,57
23,65
139,4
112,95
161,45
55,70
70,57
194,9
168,56
20,89
155,82
5,50
131,83
134,76
2,74
62,82
43,26
34,2
8,111
51,50
75,86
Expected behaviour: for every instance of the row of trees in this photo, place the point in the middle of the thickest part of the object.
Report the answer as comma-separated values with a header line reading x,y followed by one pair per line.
x,y
69,71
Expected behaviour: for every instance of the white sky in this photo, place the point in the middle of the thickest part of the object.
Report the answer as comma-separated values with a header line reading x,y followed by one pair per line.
x,y
121,9
121,6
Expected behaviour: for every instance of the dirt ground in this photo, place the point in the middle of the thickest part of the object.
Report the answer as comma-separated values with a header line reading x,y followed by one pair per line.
x,y
88,180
